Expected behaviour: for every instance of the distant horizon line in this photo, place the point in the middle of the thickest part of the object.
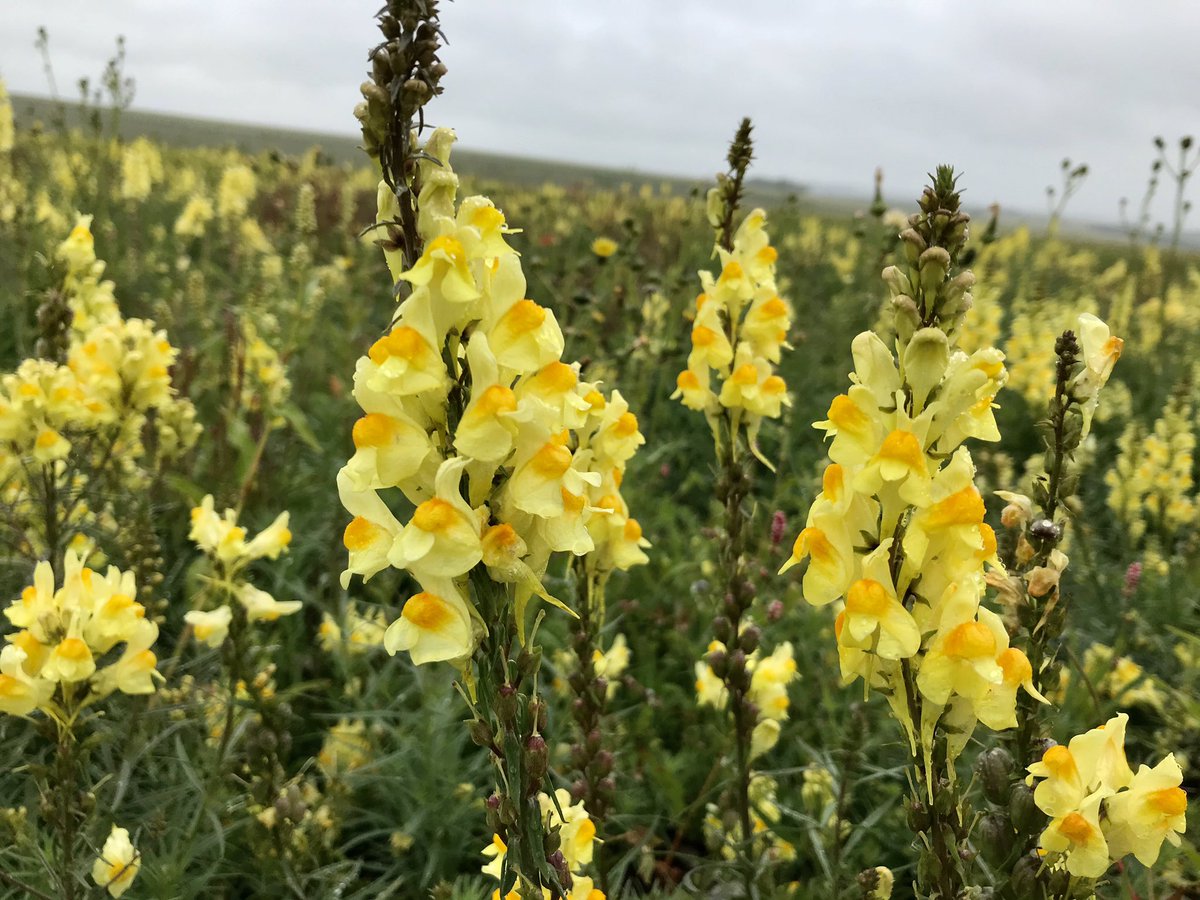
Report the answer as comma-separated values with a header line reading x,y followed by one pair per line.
x,y
816,192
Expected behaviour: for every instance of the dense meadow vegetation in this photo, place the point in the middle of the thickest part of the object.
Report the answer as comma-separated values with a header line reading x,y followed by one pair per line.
x,y
181,335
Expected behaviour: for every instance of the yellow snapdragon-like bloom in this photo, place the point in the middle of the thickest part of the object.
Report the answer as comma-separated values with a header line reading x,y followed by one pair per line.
x,y
118,863
531,467
359,632
435,625
769,682
225,542
1100,810
263,374
210,628
1154,809
770,678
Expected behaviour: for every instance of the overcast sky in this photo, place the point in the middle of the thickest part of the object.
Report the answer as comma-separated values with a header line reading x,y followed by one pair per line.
x,y
1003,90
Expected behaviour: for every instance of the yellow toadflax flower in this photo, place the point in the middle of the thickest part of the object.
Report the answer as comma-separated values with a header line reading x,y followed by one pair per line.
x,y
1154,809
210,628
118,863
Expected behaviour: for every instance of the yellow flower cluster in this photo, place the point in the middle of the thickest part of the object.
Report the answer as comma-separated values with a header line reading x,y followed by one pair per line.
x,y
195,217
608,664
90,296
555,445
764,815
66,636
235,191
141,169
901,482
358,633
224,541
117,371
96,406
262,374
1151,489
770,677
1119,678
739,330
1100,810
346,748
577,837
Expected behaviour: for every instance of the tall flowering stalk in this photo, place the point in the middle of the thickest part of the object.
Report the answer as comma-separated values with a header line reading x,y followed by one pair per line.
x,y
1089,809
896,536
492,443
738,335
1033,561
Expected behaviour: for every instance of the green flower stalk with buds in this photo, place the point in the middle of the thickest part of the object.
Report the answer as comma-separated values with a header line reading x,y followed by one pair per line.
x,y
740,330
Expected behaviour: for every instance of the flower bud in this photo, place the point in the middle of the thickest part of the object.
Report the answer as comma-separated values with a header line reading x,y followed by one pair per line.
x,y
995,837
537,757
925,361
559,863
749,638
529,662
719,663
481,733
506,705
897,281
737,665
602,764
714,206
995,768
1022,811
934,264
1024,881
